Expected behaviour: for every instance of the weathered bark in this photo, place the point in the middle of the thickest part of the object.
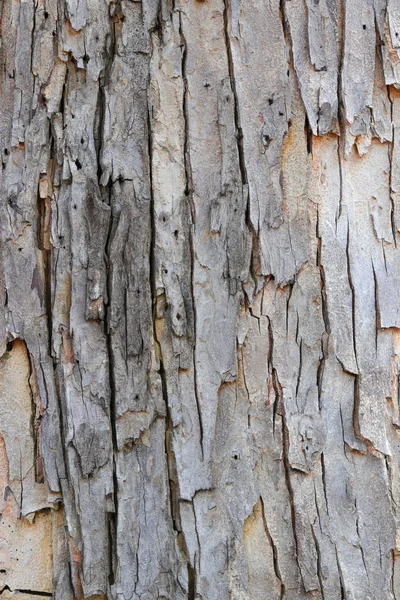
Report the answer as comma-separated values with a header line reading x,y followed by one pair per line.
x,y
199,299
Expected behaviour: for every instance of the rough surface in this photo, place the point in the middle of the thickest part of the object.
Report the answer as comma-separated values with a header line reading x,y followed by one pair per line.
x,y
199,300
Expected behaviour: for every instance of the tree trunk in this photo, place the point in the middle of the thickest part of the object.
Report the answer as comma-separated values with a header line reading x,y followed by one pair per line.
x,y
199,292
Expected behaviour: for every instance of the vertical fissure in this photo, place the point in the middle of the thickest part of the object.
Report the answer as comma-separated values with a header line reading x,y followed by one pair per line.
x,y
325,316
107,196
231,70
286,464
113,519
352,290
274,550
192,226
390,157
319,563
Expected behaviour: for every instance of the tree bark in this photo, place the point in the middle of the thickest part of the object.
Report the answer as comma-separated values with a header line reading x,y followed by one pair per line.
x,y
199,300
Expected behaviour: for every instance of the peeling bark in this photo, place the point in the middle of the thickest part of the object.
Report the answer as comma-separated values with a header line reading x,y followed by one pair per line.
x,y
199,300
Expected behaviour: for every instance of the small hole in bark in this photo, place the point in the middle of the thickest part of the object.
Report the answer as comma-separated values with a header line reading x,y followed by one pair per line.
x,y
82,141
75,207
3,571
266,140
6,151
236,456
46,14
179,316
78,164
166,271
176,233
165,306
136,396
9,346
280,114
20,249
364,27
164,219
270,101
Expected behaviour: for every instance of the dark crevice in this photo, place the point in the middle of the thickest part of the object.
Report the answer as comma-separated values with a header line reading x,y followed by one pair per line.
x,y
393,557
231,69
320,373
278,404
26,592
319,571
274,377
43,236
325,316
342,587
356,425
189,195
254,266
285,27
345,446
324,485
300,368
377,312
274,549
286,464
191,582
106,196
113,517
309,134
290,291
340,113
393,501
353,299
170,455
391,191
359,537
340,206
188,170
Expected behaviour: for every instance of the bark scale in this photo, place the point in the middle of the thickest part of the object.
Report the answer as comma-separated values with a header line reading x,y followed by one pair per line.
x,y
199,299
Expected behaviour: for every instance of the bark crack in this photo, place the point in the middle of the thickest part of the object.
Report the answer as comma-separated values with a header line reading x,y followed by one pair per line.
x,y
192,226
274,549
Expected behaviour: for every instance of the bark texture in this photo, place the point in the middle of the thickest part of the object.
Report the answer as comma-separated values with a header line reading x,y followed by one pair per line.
x,y
199,299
